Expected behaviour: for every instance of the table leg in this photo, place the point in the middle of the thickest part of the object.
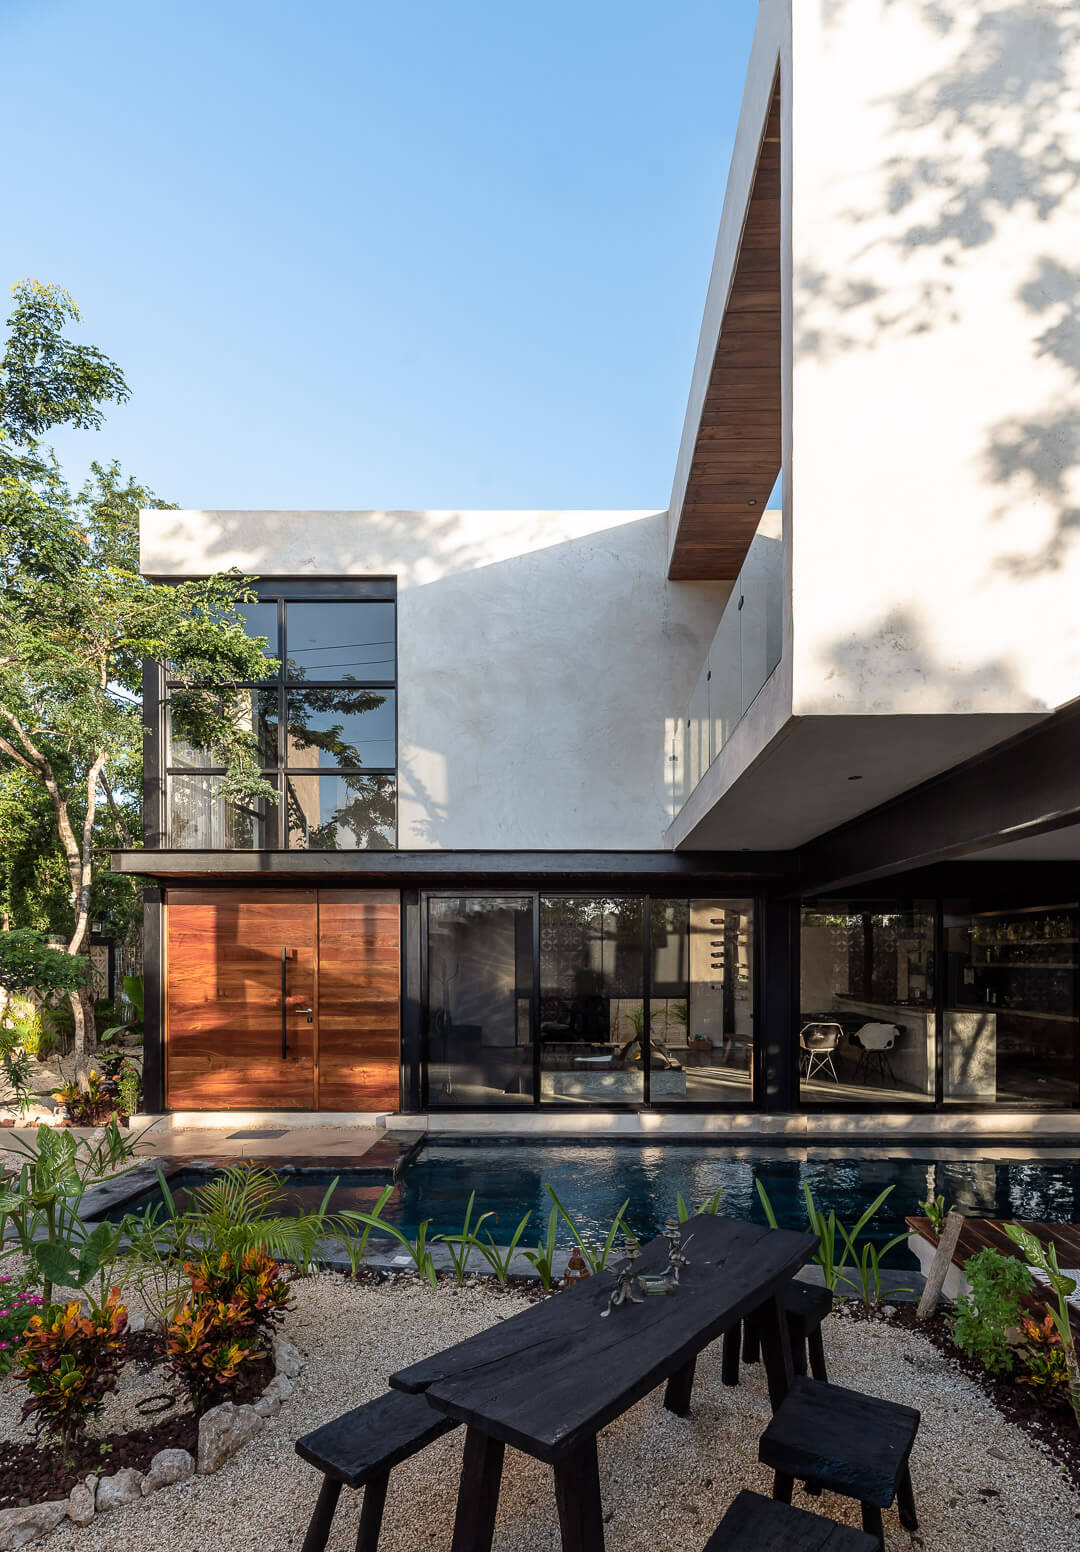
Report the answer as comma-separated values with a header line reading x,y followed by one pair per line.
x,y
771,1325
577,1493
478,1493
679,1387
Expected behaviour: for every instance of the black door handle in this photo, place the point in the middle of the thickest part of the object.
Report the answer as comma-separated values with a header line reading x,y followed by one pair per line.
x,y
284,1020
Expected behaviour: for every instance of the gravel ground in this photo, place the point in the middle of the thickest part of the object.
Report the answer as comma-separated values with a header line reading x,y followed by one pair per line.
x,y
980,1485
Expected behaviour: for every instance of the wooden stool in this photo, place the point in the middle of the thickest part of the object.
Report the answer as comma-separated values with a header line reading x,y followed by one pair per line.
x,y
756,1524
840,1439
358,1450
805,1306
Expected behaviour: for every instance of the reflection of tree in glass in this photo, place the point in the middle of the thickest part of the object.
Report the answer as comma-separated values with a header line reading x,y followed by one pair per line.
x,y
315,705
369,814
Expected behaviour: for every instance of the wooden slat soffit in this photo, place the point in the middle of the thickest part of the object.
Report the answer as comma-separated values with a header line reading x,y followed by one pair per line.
x,y
738,452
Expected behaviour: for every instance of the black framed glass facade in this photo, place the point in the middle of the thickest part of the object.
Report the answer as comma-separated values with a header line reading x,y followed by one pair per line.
x,y
590,1000
1011,1026
867,1026
325,724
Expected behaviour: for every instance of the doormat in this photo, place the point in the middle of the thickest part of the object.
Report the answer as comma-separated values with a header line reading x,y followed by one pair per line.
x,y
247,1136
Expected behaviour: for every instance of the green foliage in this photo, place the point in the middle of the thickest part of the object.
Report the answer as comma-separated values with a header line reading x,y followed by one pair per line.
x,y
245,1208
1045,1260
936,1211
69,1362
866,1260
595,1260
418,1250
986,1317
831,1233
130,1088
125,1027
543,1257
15,1068
18,1302
710,1205
28,963
497,1257
461,1245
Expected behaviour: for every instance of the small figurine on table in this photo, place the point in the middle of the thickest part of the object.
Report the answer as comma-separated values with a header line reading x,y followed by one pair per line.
x,y
624,1291
677,1258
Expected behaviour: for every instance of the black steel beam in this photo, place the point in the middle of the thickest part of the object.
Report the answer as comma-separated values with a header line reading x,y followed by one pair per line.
x,y
153,1000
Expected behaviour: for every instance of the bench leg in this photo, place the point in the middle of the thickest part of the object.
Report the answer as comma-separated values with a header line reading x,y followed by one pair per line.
x,y
817,1355
905,1501
729,1368
577,1493
679,1388
318,1531
367,1537
771,1324
873,1524
781,1487
478,1494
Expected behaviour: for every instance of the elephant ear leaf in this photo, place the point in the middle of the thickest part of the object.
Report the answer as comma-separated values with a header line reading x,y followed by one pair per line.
x,y
57,1264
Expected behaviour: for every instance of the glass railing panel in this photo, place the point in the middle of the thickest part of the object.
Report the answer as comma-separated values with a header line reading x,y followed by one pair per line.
x,y
698,732
725,683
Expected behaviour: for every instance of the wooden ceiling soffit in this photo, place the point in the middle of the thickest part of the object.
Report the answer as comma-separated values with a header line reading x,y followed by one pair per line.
x,y
738,451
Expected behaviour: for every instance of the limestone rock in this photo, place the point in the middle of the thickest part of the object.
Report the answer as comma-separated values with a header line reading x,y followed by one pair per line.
x,y
167,1468
135,1323
287,1358
80,1505
122,1488
18,1527
268,1404
224,1430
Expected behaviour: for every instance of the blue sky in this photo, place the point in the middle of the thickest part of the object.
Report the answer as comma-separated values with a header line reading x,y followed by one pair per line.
x,y
358,254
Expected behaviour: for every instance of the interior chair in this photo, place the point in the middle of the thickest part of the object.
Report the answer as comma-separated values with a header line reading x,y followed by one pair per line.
x,y
875,1042
817,1043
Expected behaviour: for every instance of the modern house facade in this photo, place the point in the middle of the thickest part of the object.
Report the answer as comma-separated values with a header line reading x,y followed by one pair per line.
x,y
726,811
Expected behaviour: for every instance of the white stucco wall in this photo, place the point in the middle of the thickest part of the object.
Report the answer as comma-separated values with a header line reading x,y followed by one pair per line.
x,y
935,467
539,654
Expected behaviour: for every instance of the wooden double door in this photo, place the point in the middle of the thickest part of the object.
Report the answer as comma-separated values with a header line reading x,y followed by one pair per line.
x,y
282,999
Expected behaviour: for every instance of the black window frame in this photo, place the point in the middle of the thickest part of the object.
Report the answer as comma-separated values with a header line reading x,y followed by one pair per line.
x,y
156,687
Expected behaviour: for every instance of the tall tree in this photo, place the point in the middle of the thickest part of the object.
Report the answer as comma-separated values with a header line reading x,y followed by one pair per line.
x,y
77,620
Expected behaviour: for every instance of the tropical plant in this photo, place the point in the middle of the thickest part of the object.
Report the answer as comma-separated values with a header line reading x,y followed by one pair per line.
x,y
866,1260
15,1067
135,993
418,1250
595,1260
935,1211
710,1205
18,1302
829,1231
1043,1356
459,1245
69,1362
543,1257
205,1353
987,1316
130,1088
244,1207
250,1285
1045,1260
499,1257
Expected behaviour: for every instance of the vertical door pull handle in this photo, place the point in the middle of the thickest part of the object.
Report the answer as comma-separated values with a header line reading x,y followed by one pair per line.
x,y
284,1019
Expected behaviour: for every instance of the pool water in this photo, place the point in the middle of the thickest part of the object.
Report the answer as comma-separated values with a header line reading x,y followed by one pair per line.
x,y
592,1179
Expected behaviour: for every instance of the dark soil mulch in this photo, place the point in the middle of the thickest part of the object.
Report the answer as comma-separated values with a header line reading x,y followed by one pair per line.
x,y
32,1473
1049,1426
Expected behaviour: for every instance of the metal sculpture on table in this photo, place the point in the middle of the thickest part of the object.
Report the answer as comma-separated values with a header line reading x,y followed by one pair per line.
x,y
624,1291
677,1258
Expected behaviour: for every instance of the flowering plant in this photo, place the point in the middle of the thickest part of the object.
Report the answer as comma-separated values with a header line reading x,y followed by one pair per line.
x,y
17,1303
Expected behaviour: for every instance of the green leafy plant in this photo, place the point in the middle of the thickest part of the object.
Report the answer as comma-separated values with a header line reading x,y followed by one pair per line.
x,y
1046,1261
18,1302
595,1260
543,1256
830,1233
461,1245
935,1211
15,1067
135,994
1043,1356
992,1310
130,1088
418,1250
244,1208
69,1362
499,1258
866,1260
710,1205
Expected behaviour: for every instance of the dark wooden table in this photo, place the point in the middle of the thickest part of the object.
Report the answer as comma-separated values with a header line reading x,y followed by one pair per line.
x,y
547,1380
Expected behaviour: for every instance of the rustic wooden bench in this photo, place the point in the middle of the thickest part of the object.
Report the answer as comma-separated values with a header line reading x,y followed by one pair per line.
x,y
847,1442
756,1524
805,1306
360,1449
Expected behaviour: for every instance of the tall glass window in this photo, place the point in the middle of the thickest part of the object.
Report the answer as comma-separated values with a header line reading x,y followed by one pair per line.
x,y
1012,1032
479,1001
866,1029
325,722
701,1007
592,999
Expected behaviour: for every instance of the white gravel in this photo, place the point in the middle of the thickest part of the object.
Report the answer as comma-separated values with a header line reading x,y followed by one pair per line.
x,y
980,1485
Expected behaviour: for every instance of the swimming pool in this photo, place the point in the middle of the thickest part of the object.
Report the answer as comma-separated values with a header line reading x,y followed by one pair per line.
x,y
593,1178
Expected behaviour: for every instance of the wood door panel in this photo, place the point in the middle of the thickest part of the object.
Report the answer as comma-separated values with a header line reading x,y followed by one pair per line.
x,y
359,999
223,999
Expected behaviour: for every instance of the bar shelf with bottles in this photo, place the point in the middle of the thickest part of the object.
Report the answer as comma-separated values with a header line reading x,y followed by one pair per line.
x,y
1025,963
